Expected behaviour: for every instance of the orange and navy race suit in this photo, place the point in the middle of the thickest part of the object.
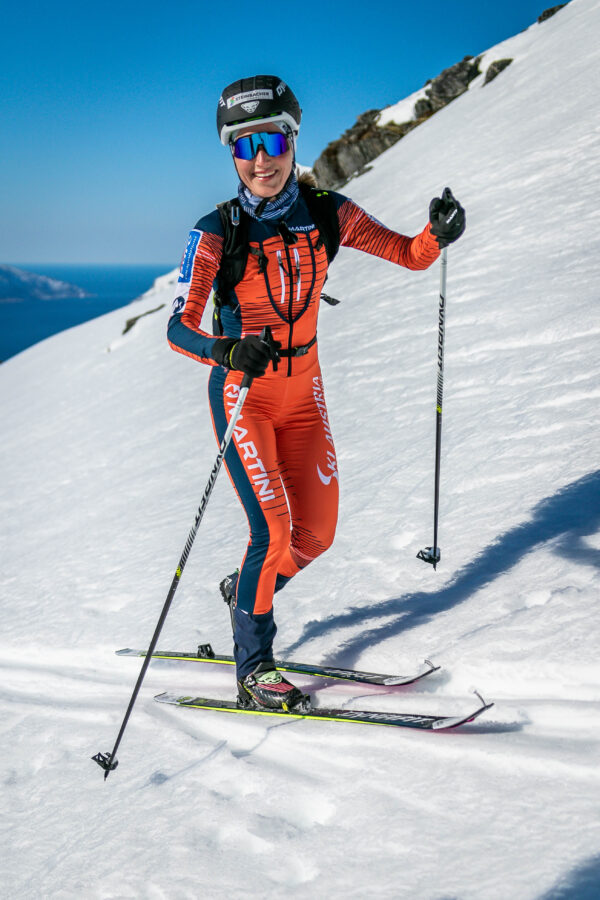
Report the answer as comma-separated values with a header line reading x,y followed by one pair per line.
x,y
282,459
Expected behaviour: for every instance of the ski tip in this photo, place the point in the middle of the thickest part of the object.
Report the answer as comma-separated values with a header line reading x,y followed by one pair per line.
x,y
432,666
395,680
453,722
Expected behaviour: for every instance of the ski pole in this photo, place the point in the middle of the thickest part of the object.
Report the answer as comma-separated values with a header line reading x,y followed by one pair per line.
x,y
433,554
108,761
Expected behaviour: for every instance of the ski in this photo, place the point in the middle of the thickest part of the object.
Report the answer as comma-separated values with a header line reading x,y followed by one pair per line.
x,y
361,717
205,654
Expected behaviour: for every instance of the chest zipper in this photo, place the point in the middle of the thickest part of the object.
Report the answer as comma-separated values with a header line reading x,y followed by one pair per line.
x,y
290,309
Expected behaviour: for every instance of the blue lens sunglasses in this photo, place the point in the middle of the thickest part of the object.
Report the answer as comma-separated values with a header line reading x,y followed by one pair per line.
x,y
274,143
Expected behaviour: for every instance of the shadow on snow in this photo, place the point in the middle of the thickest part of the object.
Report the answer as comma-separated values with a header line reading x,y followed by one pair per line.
x,y
566,518
581,884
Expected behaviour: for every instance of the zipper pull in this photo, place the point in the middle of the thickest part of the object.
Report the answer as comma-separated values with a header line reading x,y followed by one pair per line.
x,y
298,274
281,276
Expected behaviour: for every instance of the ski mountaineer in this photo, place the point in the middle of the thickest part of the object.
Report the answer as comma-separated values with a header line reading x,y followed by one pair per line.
x,y
282,460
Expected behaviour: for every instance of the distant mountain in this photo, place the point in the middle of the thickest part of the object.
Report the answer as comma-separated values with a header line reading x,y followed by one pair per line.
x,y
17,285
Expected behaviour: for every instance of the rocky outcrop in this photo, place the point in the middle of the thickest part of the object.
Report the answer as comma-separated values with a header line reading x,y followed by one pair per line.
x,y
131,322
495,68
548,13
449,85
354,150
351,154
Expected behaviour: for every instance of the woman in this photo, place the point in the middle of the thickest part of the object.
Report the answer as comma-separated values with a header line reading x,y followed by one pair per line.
x,y
282,461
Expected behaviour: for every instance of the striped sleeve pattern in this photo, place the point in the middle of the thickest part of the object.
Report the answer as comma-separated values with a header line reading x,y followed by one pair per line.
x,y
199,267
362,232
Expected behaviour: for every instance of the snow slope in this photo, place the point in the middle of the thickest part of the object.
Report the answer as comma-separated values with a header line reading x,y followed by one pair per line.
x,y
106,452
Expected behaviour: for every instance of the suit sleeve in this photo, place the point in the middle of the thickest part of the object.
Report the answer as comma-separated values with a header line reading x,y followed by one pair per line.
x,y
363,232
199,268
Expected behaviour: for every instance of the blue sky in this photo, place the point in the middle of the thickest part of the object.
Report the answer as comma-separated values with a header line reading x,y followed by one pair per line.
x,y
107,111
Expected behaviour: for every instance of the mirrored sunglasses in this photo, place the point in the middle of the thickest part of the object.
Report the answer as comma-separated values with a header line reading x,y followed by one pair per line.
x,y
274,143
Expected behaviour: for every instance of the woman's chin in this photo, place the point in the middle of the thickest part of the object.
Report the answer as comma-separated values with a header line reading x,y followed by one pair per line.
x,y
266,187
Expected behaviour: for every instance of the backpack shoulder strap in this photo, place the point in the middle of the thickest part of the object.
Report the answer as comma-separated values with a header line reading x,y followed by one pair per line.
x,y
322,207
235,249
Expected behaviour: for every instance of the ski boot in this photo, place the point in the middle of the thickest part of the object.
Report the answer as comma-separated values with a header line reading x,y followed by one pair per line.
x,y
227,588
266,688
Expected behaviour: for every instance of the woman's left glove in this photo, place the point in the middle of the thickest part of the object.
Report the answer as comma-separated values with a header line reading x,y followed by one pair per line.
x,y
447,218
251,354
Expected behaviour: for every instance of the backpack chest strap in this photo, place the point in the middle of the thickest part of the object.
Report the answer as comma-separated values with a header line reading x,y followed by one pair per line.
x,y
298,351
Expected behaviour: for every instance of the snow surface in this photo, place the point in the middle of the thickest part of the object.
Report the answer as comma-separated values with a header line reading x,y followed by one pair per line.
x,y
107,449
403,111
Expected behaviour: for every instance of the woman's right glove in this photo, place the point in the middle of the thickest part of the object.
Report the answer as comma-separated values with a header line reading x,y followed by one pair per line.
x,y
250,354
447,218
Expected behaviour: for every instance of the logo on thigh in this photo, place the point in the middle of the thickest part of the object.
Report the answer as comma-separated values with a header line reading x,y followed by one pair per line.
x,y
332,466
253,464
331,458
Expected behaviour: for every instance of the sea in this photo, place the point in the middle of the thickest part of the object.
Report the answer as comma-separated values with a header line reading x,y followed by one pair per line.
x,y
26,322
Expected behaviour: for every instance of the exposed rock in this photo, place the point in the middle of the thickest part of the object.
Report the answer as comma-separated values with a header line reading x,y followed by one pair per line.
x,y
131,322
495,68
354,149
548,13
449,85
351,153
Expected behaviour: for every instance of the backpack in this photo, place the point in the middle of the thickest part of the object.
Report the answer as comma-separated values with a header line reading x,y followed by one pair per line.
x,y
236,226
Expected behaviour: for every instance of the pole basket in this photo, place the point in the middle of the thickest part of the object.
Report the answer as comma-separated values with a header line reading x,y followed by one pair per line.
x,y
430,555
105,762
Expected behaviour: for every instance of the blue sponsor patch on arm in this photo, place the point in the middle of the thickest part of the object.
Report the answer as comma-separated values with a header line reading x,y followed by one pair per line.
x,y
187,263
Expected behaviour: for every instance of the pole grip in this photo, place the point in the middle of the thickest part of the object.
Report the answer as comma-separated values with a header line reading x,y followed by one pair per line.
x,y
266,336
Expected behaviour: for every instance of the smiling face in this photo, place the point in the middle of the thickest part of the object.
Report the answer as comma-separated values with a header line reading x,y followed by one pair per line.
x,y
265,176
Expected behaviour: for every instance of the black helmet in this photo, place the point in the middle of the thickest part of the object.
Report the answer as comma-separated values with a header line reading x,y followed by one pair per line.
x,y
256,100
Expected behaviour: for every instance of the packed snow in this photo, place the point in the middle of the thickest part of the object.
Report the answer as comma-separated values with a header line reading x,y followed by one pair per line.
x,y
106,452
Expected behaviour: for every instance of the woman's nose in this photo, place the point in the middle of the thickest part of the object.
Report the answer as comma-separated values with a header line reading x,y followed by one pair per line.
x,y
262,156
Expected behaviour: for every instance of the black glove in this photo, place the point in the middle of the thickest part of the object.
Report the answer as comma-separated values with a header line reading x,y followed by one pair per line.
x,y
447,218
250,354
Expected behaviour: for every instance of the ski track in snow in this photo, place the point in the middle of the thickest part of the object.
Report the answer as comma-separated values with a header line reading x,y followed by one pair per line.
x,y
106,455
